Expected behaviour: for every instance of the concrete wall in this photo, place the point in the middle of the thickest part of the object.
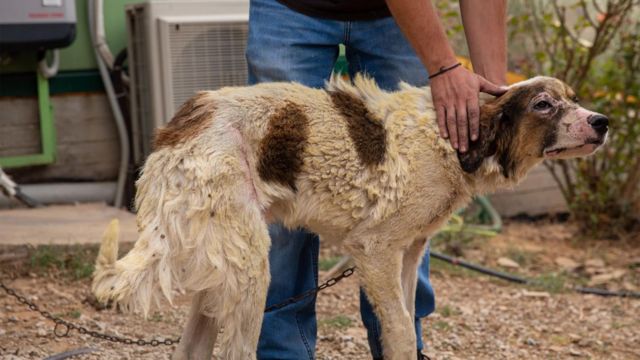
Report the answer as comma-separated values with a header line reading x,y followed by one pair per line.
x,y
537,194
88,147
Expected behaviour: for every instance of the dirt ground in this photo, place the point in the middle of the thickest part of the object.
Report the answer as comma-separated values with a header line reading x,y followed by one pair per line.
x,y
477,317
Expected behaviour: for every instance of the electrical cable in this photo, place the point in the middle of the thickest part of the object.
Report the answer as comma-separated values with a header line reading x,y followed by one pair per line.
x,y
521,280
49,71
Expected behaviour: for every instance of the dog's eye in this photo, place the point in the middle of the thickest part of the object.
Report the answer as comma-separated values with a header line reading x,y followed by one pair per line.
x,y
575,99
542,105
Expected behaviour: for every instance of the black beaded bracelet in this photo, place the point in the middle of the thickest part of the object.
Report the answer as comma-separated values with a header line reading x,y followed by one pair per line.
x,y
444,70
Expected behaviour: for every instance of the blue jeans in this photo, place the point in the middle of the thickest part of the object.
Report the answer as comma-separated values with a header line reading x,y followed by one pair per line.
x,y
285,45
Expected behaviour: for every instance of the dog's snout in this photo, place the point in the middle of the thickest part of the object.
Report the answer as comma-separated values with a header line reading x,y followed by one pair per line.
x,y
599,123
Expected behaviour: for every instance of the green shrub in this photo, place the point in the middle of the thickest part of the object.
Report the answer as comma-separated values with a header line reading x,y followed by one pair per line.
x,y
595,48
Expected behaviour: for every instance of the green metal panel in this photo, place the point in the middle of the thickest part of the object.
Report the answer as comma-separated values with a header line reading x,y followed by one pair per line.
x,y
47,133
79,56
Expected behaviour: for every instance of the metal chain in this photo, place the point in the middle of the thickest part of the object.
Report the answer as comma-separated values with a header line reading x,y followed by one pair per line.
x,y
329,283
63,327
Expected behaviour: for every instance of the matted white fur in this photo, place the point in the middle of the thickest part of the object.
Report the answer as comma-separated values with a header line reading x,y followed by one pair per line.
x,y
203,209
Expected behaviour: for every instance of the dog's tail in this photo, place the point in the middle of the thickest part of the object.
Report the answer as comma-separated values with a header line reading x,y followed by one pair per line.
x,y
128,281
108,253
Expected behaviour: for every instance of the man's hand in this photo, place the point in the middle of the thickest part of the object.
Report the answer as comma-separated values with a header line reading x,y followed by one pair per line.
x,y
455,97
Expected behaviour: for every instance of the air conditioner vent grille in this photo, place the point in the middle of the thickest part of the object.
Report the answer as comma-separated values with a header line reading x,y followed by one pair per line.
x,y
206,56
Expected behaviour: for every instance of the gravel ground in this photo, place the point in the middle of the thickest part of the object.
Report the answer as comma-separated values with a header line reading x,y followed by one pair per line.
x,y
476,318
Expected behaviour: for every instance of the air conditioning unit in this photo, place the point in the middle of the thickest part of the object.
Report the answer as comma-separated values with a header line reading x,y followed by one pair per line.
x,y
179,47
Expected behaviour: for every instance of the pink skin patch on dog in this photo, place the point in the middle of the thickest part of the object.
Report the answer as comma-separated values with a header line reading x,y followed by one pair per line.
x,y
246,168
580,129
580,137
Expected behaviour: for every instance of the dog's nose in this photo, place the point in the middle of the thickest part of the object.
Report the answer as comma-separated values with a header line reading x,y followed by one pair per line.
x,y
599,123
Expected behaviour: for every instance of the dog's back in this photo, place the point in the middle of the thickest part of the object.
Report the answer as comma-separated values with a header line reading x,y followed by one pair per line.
x,y
323,159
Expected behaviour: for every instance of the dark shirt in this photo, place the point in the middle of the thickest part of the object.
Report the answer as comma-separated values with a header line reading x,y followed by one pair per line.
x,y
345,10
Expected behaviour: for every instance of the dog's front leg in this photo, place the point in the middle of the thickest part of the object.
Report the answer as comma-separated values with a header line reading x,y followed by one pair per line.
x,y
410,263
380,271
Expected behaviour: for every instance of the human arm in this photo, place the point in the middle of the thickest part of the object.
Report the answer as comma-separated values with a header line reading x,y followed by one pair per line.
x,y
455,92
487,40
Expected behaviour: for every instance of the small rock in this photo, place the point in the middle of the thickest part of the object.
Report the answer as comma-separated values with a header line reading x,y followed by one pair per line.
x,y
346,338
594,270
574,352
466,310
13,319
566,263
555,348
594,263
599,343
535,294
508,263
629,286
531,342
584,343
606,277
2,332
42,332
574,337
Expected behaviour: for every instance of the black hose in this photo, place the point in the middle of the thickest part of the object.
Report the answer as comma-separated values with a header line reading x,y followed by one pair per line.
x,y
521,280
71,353
478,268
122,90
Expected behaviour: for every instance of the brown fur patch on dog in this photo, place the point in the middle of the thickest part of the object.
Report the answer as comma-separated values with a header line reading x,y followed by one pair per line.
x,y
507,131
367,132
485,146
191,119
280,153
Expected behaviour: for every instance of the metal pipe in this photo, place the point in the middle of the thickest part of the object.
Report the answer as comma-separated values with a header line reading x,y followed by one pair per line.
x,y
113,102
100,37
65,193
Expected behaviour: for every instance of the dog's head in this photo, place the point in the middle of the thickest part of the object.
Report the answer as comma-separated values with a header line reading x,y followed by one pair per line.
x,y
536,119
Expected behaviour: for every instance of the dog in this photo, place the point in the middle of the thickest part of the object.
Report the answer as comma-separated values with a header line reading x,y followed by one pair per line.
x,y
349,162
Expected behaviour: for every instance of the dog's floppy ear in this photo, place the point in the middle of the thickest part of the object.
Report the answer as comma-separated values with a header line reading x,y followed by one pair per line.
x,y
485,146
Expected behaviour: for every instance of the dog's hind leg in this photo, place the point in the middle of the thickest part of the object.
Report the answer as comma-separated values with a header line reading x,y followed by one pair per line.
x,y
380,268
241,310
243,323
199,334
241,296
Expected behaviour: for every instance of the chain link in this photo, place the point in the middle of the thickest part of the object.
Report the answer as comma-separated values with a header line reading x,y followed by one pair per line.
x,y
63,327
329,283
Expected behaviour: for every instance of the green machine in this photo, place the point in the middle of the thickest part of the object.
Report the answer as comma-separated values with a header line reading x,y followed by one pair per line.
x,y
35,26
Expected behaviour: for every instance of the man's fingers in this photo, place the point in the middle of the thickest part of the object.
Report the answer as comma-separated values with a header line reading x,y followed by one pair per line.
x,y
452,127
473,112
490,88
442,121
463,127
